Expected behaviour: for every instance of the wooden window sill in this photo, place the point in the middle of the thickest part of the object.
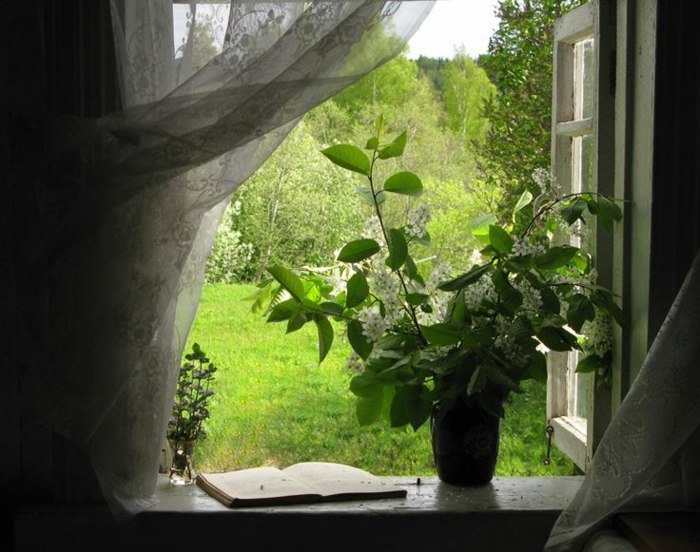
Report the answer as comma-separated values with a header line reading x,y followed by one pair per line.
x,y
511,513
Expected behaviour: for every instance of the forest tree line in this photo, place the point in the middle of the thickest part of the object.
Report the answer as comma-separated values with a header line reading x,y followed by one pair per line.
x,y
476,130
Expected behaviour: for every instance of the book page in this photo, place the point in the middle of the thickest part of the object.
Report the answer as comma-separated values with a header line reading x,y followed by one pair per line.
x,y
257,484
329,479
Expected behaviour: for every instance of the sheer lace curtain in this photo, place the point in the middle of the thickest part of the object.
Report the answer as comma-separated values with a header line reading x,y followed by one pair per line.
x,y
649,458
146,189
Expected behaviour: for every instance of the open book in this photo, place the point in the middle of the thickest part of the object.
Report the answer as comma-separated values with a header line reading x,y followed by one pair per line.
x,y
299,483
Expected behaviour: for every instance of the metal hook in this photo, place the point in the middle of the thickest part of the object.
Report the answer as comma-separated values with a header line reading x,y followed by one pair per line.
x,y
550,431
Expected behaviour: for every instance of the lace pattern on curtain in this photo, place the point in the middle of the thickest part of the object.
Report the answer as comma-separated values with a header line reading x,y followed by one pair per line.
x,y
144,190
648,457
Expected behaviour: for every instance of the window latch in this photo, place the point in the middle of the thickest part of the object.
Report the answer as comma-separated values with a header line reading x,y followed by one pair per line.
x,y
547,460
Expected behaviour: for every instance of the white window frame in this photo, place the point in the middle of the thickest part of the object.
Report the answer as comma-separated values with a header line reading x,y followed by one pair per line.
x,y
577,437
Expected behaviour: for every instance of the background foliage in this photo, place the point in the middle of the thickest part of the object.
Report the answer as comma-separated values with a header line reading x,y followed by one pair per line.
x,y
519,64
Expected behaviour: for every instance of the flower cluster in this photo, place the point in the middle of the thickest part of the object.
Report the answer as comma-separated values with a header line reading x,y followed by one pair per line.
x,y
373,323
475,334
418,221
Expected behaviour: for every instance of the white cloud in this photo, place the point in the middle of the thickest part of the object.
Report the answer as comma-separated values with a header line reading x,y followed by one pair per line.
x,y
453,23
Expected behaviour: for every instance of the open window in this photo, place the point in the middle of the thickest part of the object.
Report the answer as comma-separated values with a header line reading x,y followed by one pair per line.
x,y
582,160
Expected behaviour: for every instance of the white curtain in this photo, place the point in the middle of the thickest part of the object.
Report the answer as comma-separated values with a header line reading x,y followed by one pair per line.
x,y
134,218
649,457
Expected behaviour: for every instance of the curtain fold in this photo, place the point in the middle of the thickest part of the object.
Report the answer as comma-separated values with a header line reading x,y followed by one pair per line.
x,y
648,457
141,193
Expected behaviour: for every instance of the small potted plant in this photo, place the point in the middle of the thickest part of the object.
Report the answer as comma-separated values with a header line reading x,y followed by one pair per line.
x,y
451,347
190,409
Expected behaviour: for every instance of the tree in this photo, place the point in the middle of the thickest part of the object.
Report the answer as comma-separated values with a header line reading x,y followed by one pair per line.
x,y
519,63
465,88
294,210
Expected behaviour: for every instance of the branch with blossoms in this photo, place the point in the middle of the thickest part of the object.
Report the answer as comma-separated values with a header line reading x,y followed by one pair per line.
x,y
420,343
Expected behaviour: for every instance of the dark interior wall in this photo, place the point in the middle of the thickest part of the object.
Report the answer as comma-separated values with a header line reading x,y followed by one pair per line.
x,y
676,194
56,58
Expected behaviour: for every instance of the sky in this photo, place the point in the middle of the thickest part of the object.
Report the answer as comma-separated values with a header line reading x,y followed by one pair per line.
x,y
450,24
453,23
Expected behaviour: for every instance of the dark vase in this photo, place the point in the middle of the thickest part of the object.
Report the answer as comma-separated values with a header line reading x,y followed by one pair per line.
x,y
465,444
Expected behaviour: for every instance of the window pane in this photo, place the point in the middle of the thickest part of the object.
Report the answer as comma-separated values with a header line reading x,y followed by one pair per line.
x,y
579,386
584,78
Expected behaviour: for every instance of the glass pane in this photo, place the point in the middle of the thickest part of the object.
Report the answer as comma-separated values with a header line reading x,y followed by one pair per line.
x,y
584,78
210,21
579,386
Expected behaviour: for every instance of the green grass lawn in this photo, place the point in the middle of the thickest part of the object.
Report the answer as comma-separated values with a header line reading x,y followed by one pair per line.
x,y
275,404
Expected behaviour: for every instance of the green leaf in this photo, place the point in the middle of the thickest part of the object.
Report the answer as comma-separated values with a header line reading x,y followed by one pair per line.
x,y
465,279
511,298
580,309
538,367
591,363
550,301
424,240
500,239
349,157
333,309
409,268
398,249
556,257
365,386
608,213
260,296
367,195
358,340
557,339
405,183
521,328
372,144
480,227
477,381
395,149
379,126
442,334
325,335
288,280
492,403
581,261
499,377
357,290
368,410
411,405
603,300
297,320
283,311
572,212
524,200
415,299
358,250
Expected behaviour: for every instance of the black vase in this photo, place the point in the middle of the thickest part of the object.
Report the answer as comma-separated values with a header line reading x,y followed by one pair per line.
x,y
465,444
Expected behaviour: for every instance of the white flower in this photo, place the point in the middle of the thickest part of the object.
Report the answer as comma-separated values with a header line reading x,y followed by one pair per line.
x,y
393,310
373,325
523,247
418,221
384,284
505,343
477,292
354,365
542,178
598,336
475,258
532,298
373,230
440,274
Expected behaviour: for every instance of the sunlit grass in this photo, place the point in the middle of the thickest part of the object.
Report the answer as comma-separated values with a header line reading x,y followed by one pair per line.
x,y
275,404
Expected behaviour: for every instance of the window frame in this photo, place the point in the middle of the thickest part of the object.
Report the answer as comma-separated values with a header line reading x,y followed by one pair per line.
x,y
578,437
